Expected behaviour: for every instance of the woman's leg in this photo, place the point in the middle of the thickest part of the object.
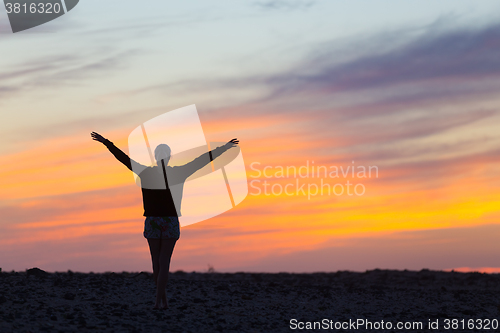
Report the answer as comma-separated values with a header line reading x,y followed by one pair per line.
x,y
166,250
154,248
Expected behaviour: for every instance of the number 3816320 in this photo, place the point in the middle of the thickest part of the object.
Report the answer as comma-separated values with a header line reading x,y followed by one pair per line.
x,y
33,8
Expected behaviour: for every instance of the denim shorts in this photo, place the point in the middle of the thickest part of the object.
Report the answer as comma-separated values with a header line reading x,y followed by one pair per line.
x,y
162,227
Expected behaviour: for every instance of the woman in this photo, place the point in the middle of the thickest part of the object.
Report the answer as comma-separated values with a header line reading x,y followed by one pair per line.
x,y
162,188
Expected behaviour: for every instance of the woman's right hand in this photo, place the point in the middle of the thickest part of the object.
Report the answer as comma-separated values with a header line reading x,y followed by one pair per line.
x,y
98,137
233,143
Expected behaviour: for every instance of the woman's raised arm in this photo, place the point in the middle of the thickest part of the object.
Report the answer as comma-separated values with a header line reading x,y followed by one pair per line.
x,y
199,162
119,154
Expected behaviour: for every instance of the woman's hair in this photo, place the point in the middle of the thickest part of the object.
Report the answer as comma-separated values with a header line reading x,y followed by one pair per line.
x,y
162,151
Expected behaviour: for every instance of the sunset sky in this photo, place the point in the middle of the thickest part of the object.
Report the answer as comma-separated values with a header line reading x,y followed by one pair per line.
x,y
409,87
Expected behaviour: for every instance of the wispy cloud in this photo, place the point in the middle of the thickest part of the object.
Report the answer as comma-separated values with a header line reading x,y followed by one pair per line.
x,y
437,66
432,249
53,72
434,57
285,4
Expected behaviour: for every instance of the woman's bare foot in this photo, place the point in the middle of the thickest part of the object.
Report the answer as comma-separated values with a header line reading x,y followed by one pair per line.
x,y
161,302
163,305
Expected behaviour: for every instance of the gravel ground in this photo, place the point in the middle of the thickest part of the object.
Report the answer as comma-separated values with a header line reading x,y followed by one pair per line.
x,y
36,301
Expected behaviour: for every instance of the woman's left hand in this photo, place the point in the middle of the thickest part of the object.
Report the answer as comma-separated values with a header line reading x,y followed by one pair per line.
x,y
98,137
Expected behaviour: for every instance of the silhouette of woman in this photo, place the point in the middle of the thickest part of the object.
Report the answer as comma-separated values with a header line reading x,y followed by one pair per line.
x,y
162,188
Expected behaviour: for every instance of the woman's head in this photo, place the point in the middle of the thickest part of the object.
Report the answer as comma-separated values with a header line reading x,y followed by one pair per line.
x,y
162,152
